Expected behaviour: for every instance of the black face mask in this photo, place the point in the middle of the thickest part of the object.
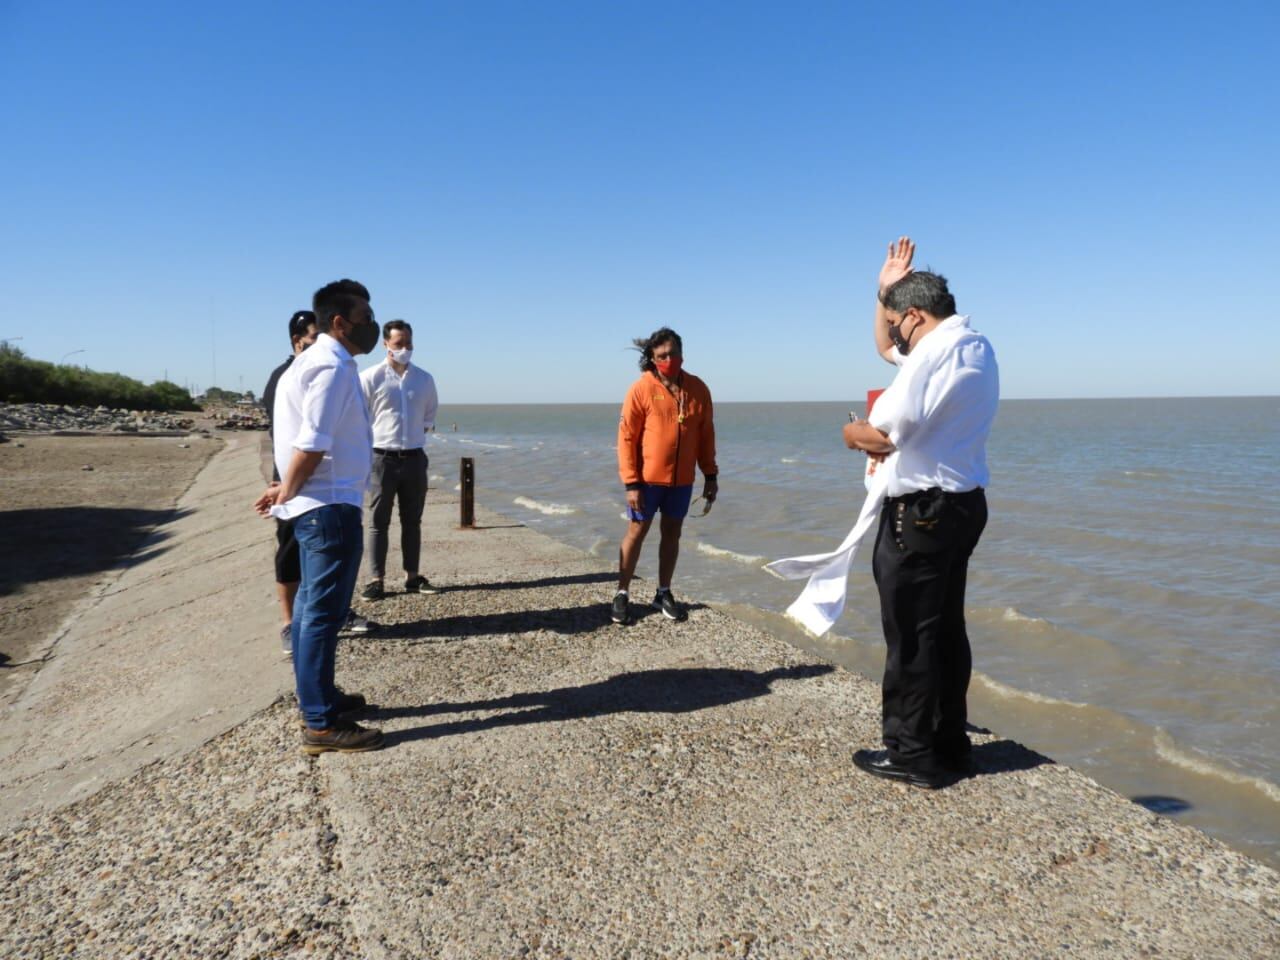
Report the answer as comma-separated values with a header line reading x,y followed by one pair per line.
x,y
902,343
364,336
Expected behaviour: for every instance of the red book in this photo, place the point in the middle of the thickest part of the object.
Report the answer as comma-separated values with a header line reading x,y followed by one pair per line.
x,y
872,397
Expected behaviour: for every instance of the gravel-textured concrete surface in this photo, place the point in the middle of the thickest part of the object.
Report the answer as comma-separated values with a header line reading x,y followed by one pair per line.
x,y
177,648
556,786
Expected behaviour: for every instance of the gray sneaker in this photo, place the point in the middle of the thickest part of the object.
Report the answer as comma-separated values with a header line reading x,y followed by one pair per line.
x,y
359,625
620,612
286,639
341,738
419,584
671,608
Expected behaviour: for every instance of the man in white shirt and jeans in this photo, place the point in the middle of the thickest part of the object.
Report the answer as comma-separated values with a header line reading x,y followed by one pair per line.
x,y
322,445
402,402
929,429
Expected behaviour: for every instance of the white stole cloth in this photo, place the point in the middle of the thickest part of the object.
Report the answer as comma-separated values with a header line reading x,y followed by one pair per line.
x,y
822,601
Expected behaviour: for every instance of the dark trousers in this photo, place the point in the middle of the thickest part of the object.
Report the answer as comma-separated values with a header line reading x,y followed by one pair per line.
x,y
928,661
398,479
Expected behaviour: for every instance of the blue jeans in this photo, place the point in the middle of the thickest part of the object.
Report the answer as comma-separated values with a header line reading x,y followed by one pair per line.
x,y
329,547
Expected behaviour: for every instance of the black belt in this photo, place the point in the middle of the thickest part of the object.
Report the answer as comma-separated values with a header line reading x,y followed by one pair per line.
x,y
401,454
915,495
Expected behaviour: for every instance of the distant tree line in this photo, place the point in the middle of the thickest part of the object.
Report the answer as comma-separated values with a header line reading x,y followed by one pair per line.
x,y
23,380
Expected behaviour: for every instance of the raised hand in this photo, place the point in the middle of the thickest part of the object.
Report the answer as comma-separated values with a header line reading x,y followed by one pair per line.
x,y
898,262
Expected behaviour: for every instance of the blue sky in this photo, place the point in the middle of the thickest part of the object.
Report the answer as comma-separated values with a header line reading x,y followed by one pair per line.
x,y
534,184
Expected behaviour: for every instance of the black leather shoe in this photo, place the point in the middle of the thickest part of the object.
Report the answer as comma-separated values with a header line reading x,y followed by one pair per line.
x,y
878,764
960,764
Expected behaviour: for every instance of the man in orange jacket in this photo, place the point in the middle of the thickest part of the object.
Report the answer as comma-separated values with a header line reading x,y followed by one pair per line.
x,y
666,428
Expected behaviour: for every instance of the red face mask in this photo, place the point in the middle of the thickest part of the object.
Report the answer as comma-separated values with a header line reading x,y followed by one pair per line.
x,y
669,369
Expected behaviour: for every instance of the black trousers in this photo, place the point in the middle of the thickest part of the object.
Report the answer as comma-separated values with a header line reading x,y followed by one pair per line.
x,y
398,477
928,661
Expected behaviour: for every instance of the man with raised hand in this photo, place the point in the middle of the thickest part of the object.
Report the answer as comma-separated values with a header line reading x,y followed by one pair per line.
x,y
930,427
402,401
323,446
666,429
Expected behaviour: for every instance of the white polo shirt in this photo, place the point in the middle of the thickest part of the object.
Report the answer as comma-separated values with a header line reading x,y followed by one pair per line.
x,y
403,408
939,410
319,407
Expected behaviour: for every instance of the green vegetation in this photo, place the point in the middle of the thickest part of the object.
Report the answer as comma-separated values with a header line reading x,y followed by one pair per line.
x,y
218,395
23,380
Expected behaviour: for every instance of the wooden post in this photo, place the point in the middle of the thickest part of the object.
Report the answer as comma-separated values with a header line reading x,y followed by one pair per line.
x,y
468,484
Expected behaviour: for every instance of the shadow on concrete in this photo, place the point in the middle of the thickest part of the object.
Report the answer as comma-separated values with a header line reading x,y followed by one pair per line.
x,y
646,691
56,542
1005,756
603,576
565,620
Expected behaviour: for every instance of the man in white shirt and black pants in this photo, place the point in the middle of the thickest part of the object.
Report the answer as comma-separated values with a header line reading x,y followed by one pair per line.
x,y
402,402
323,447
929,429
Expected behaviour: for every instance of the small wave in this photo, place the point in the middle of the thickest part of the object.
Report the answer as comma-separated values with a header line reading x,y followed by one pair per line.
x,y
1145,474
600,545
790,460
713,551
1013,615
1170,752
550,509
436,478
1013,693
491,446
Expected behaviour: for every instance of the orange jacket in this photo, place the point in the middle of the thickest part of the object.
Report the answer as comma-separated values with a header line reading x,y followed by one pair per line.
x,y
655,443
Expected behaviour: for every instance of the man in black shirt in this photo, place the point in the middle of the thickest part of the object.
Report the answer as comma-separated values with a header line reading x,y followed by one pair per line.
x,y
302,334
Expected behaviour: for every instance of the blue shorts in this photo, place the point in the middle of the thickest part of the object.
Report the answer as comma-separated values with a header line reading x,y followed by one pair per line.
x,y
672,501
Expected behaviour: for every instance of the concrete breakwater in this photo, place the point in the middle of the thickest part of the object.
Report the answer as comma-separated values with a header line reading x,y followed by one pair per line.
x,y
553,786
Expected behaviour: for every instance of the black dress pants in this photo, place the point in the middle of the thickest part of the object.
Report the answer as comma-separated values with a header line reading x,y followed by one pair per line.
x,y
928,662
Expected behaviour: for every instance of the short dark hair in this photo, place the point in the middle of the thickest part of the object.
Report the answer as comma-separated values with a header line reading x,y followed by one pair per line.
x,y
646,345
924,291
337,299
395,325
299,323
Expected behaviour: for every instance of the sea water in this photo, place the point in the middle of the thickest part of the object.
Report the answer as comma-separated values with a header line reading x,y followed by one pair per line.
x,y
1122,604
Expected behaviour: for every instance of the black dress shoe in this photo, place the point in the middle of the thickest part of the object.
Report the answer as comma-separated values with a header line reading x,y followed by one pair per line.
x,y
878,764
957,763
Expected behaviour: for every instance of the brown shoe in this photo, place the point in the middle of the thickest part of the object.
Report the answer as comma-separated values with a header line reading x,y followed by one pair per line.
x,y
341,737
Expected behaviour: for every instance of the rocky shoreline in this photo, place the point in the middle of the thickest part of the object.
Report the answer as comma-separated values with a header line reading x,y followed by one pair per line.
x,y
59,419
63,418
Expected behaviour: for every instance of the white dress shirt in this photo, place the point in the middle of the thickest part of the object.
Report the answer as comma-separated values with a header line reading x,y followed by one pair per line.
x,y
403,407
319,408
937,412
939,409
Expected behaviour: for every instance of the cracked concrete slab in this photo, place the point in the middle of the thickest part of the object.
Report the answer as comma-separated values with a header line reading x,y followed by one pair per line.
x,y
177,648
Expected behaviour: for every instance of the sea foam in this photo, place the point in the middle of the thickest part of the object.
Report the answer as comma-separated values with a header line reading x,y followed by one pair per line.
x,y
1013,693
1191,760
1014,615
714,551
550,509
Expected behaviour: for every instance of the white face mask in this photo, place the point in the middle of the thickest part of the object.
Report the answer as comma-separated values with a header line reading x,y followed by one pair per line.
x,y
402,356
